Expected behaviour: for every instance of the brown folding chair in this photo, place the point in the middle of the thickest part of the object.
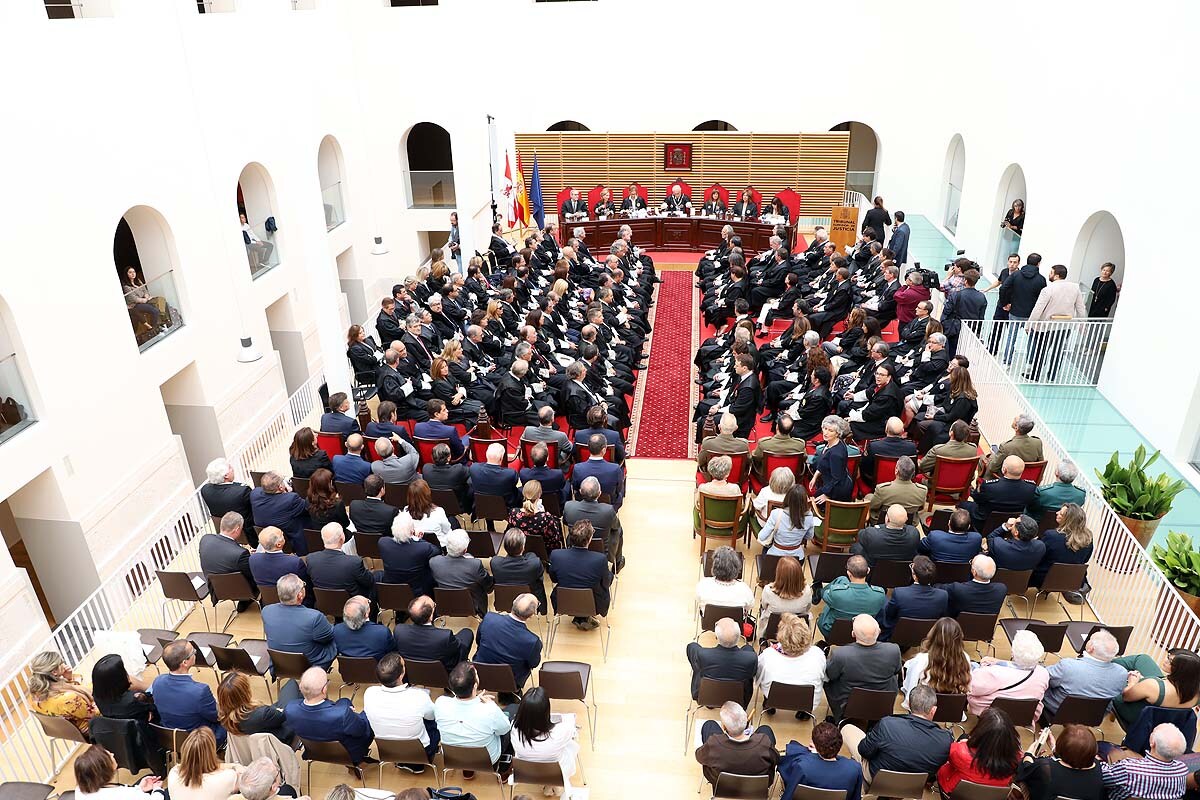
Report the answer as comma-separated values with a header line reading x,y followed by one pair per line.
x,y
182,586
312,541
899,785
350,491
505,595
1079,632
1050,634
151,638
447,500
578,603
770,627
430,674
536,543
331,602
713,693
496,678
910,632
1017,583
356,672
890,574
491,509
765,566
328,753
394,597
978,627
300,486
204,643
288,665
842,632
25,790
169,739
238,659
731,786
706,618
1020,711
367,545
805,792
453,603
57,728
967,790
570,680
543,773
483,544
267,595
552,503
403,751
395,494
950,572
1064,578
789,697
231,586
470,759
868,705
824,567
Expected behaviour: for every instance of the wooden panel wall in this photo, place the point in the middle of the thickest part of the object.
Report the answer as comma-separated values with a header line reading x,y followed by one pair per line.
x,y
813,164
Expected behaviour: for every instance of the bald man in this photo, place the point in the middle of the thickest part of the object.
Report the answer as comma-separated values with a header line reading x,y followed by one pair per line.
x,y
867,663
506,639
894,540
317,718
1009,493
727,661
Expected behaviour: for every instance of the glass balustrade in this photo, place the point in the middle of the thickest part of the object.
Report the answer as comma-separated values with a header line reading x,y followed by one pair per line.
x,y
861,182
262,250
16,413
430,188
953,204
153,309
335,213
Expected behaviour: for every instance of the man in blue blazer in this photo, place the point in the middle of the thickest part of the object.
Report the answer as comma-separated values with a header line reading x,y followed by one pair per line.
x,y
185,702
272,563
358,637
493,478
577,567
506,639
336,420
552,480
1015,544
317,718
351,467
275,504
609,474
898,244
921,600
597,424
437,428
978,595
292,628
957,546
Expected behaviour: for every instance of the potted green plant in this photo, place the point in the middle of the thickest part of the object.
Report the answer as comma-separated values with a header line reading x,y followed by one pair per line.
x,y
1139,500
1180,563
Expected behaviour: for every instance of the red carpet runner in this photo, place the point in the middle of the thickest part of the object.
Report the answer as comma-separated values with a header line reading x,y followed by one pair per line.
x,y
663,424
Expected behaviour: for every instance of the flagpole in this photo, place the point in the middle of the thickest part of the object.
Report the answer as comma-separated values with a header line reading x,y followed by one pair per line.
x,y
491,123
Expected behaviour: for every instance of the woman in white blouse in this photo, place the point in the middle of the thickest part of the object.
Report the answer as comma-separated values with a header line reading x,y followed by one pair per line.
x,y
781,481
427,517
200,774
725,587
95,769
787,592
536,737
792,659
789,527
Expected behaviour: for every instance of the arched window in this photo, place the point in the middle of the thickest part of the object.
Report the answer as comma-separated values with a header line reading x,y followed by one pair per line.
x,y
1007,241
862,161
144,257
714,125
256,216
956,168
568,125
429,166
16,409
1100,242
329,170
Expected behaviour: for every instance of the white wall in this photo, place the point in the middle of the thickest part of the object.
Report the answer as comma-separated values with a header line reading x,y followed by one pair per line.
x,y
160,106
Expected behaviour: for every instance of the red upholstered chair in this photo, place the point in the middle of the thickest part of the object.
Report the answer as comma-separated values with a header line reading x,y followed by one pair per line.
x,y
561,198
791,201
425,448
687,189
951,480
332,444
1034,471
722,192
885,469
641,190
771,463
758,201
891,332
527,453
593,197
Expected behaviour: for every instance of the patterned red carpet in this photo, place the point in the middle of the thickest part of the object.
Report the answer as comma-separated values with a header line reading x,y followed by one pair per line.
x,y
663,424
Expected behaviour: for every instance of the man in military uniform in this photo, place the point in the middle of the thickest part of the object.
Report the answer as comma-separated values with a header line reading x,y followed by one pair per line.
x,y
1027,448
902,491
779,444
1059,493
957,447
724,443
1008,493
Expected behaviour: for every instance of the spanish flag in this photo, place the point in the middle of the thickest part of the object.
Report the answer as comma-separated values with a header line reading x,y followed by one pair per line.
x,y
522,197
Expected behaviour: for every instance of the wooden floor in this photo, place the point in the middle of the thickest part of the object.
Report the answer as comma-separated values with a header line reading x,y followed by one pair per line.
x,y
642,689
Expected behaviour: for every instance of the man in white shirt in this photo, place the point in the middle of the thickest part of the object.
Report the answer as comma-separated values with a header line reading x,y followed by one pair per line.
x,y
471,719
397,710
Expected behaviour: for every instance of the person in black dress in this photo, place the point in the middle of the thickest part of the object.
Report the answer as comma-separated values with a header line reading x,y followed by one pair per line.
x,y
1071,770
1014,220
362,351
1104,292
119,696
325,505
241,716
304,455
877,218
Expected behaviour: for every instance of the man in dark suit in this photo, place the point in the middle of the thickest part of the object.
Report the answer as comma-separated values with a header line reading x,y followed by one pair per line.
x,y
597,420
358,637
576,567
921,600
493,478
276,504
436,428
387,323
406,557
502,251
677,202
883,402
895,540
602,516
898,244
221,494
506,639
371,514
978,595
745,395
424,642
186,703
893,445
885,310
513,396
458,570
333,569
1015,545
552,480
270,563
293,628
519,568
455,477
415,344
837,303
573,209
336,420
958,545
1009,493
351,467
220,554
966,305
609,475
318,718
725,662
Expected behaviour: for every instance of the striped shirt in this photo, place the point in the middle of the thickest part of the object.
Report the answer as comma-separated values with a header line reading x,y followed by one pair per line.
x,y
1147,778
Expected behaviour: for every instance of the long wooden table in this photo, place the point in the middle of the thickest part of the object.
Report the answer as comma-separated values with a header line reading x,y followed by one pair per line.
x,y
695,234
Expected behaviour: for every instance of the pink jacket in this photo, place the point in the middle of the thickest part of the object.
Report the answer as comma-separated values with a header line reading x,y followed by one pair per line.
x,y
907,298
987,683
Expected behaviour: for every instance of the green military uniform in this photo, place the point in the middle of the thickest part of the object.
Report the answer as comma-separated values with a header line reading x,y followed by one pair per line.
x,y
1055,496
721,444
846,600
1027,448
906,493
776,445
950,449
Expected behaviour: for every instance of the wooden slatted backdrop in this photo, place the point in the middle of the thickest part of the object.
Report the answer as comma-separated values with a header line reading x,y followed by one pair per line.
x,y
813,164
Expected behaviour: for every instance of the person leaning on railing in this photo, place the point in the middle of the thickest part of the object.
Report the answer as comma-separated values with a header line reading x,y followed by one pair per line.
x,y
139,299
55,691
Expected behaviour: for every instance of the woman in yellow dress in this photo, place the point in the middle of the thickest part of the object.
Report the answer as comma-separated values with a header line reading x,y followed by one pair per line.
x,y
55,691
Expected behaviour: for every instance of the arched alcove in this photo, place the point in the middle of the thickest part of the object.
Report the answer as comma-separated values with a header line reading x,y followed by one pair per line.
x,y
145,258
862,161
952,182
568,125
256,203
429,166
330,173
1100,241
714,125
16,408
1010,188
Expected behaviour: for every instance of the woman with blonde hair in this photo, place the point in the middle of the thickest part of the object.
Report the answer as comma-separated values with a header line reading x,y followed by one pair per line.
x,y
55,691
943,663
1070,542
561,288
792,659
787,593
531,517
200,775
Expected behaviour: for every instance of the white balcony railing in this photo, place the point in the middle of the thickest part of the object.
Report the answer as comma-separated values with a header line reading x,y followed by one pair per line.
x,y
132,598
1060,352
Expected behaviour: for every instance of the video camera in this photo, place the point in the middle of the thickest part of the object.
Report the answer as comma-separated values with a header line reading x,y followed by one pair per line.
x,y
969,265
929,278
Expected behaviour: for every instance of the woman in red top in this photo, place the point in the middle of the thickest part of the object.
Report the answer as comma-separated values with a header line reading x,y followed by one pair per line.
x,y
989,755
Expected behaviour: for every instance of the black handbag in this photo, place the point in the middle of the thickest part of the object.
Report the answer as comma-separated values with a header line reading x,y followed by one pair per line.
x,y
449,793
